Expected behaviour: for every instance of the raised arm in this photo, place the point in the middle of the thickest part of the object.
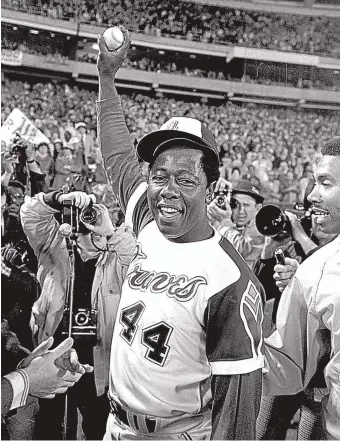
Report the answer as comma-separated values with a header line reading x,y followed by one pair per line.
x,y
118,152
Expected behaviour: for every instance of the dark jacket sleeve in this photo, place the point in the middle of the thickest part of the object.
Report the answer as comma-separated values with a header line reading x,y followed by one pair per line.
x,y
264,271
236,404
118,152
38,183
6,396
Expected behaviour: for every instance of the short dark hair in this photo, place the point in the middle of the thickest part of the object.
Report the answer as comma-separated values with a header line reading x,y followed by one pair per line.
x,y
210,167
17,184
332,147
209,163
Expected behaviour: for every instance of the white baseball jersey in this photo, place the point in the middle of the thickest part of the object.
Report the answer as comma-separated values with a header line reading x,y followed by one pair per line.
x,y
187,311
309,305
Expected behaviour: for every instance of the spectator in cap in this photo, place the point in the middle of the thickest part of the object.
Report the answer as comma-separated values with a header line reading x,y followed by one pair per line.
x,y
237,221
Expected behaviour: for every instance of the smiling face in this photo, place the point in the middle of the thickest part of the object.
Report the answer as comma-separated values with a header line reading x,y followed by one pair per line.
x,y
177,194
326,194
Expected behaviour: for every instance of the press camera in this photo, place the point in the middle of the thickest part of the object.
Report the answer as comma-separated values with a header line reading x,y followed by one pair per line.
x,y
19,146
76,217
84,323
273,222
222,197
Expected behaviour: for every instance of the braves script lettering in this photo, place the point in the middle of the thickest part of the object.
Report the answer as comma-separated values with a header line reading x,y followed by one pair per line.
x,y
179,287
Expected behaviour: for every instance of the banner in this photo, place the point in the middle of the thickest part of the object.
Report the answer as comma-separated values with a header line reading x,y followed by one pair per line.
x,y
17,122
11,58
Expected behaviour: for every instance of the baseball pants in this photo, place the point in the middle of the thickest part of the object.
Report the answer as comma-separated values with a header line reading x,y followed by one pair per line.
x,y
197,427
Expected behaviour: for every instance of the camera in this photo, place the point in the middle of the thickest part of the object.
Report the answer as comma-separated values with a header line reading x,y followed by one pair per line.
x,y
75,217
222,198
19,146
84,323
271,221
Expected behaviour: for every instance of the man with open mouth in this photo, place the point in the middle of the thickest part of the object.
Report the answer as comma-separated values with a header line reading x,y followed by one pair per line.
x,y
310,304
186,354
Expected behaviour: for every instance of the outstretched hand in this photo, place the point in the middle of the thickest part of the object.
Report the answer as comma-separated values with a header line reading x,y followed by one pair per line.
x,y
47,372
109,62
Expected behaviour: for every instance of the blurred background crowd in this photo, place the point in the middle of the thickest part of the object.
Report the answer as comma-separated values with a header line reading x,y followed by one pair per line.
x,y
199,22
273,147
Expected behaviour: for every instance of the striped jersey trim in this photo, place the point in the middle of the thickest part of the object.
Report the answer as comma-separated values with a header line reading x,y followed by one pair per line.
x,y
236,367
136,195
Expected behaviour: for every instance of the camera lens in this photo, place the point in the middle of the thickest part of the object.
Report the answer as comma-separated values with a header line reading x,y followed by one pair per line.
x,y
81,318
89,215
220,201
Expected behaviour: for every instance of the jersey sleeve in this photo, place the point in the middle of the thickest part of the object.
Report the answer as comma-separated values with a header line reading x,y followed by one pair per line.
x,y
233,317
118,152
121,165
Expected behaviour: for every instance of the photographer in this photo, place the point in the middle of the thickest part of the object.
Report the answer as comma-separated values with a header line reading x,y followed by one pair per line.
x,y
20,287
236,221
102,255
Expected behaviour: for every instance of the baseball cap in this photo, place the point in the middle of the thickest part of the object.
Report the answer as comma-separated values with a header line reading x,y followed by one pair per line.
x,y
246,187
69,146
80,124
177,128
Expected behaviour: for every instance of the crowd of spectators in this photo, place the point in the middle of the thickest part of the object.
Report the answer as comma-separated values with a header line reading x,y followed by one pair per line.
x,y
209,24
48,51
272,147
152,61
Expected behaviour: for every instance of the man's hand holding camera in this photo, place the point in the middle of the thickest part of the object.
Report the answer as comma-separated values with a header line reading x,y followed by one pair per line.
x,y
79,199
102,225
219,210
297,229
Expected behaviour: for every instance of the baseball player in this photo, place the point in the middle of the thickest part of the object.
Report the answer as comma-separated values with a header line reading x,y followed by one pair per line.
x,y
186,354
310,304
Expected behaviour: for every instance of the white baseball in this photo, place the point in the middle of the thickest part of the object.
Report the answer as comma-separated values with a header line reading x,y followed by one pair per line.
x,y
114,38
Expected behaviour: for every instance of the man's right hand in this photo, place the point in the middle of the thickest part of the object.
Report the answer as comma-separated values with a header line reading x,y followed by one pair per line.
x,y
46,378
109,62
217,214
283,273
78,198
103,225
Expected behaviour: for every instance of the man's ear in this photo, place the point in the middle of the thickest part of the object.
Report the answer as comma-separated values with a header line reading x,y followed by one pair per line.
x,y
209,195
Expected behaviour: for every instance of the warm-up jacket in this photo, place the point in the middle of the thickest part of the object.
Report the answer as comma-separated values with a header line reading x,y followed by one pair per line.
x,y
42,230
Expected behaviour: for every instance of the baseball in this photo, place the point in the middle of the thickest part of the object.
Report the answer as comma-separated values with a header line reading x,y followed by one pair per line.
x,y
114,38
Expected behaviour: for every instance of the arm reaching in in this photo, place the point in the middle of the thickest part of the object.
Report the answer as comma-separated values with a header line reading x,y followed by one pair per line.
x,y
283,273
44,373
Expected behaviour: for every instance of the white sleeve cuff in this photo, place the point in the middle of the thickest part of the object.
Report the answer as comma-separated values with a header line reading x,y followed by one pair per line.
x,y
20,384
236,367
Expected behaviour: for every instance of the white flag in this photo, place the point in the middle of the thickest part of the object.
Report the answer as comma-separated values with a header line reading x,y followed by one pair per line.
x,y
17,122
